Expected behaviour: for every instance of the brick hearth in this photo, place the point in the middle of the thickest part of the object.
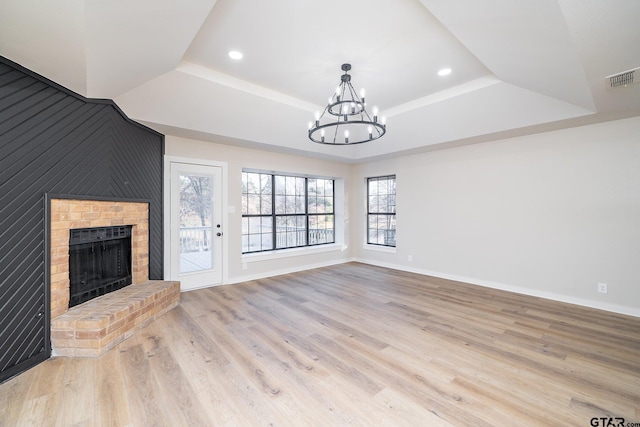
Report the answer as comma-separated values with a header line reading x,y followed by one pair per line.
x,y
94,327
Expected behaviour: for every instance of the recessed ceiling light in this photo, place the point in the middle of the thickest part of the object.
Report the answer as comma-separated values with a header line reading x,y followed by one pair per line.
x,y
444,72
234,54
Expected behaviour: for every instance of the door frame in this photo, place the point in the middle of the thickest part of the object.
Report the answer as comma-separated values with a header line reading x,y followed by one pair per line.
x,y
168,160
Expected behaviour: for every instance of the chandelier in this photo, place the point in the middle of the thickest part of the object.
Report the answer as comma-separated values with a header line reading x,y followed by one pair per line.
x,y
345,120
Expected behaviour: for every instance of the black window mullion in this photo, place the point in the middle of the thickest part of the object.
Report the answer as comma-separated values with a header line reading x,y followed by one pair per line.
x,y
273,213
294,216
389,216
368,210
306,208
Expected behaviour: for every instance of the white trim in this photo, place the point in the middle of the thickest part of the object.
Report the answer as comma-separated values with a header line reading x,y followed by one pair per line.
x,y
243,85
380,248
294,174
202,287
167,208
339,225
286,253
296,269
615,308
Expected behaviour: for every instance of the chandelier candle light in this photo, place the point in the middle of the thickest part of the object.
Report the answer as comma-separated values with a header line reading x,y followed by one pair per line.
x,y
345,120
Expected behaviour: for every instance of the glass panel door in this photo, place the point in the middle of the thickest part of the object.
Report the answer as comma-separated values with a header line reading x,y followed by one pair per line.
x,y
196,227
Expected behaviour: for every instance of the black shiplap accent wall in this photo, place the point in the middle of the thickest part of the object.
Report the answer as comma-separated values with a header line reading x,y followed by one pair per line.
x,y
55,141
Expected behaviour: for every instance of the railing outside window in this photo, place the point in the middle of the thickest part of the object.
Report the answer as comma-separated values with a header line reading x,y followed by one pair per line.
x,y
195,239
381,210
283,211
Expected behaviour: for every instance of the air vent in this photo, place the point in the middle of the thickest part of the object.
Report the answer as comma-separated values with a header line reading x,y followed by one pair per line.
x,y
623,79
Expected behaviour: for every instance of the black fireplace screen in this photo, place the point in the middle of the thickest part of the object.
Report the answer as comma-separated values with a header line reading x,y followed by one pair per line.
x,y
99,262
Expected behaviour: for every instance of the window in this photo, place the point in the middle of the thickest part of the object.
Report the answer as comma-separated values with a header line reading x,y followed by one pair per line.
x,y
381,211
282,211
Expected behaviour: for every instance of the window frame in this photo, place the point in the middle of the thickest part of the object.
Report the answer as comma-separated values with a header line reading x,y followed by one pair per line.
x,y
274,216
369,212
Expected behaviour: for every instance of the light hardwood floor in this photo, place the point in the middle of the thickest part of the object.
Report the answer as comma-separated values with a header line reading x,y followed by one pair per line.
x,y
347,345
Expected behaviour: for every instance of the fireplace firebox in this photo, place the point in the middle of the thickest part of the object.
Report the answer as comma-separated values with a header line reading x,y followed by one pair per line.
x,y
99,262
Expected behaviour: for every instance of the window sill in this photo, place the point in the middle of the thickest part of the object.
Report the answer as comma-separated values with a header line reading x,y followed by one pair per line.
x,y
379,248
286,253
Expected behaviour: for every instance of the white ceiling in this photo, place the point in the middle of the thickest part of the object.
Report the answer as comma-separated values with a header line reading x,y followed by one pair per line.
x,y
518,66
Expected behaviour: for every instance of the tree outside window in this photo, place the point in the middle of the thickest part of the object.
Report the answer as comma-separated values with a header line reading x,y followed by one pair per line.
x,y
381,210
284,211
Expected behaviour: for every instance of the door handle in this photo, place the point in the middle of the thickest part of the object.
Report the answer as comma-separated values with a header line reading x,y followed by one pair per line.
x,y
218,234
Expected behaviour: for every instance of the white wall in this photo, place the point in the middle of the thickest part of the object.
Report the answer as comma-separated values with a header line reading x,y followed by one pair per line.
x,y
550,214
263,265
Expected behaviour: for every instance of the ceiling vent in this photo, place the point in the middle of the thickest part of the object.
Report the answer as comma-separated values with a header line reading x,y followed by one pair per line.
x,y
623,79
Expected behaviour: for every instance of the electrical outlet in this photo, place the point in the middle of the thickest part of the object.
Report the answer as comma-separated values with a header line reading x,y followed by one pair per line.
x,y
244,265
410,258
602,288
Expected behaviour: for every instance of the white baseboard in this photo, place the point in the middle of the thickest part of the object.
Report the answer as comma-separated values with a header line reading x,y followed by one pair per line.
x,y
630,311
296,269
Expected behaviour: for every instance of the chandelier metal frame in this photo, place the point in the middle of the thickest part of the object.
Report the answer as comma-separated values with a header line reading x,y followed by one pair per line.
x,y
348,111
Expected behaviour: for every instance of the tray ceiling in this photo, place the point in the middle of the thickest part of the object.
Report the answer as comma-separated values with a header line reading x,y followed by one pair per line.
x,y
517,67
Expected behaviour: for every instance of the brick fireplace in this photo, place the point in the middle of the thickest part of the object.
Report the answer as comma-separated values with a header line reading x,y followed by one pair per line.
x,y
92,328
67,214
